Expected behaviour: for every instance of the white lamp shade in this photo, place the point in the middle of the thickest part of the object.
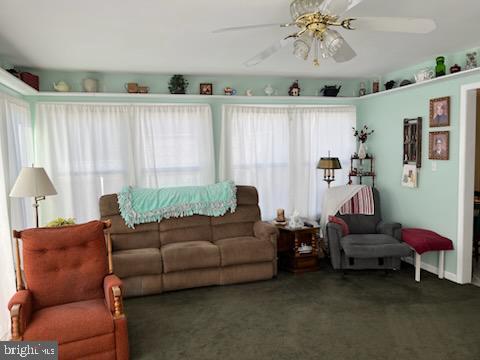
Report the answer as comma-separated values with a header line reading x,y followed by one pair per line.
x,y
33,182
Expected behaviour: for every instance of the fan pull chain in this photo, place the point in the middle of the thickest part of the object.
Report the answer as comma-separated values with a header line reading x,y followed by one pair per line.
x,y
316,52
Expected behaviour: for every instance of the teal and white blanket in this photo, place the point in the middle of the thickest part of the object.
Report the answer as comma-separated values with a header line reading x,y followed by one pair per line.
x,y
140,205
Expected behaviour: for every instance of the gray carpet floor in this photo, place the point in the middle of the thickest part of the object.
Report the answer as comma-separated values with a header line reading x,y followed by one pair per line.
x,y
320,315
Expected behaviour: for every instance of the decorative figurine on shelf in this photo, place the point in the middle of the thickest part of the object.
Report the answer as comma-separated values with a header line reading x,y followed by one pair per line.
x,y
269,90
177,85
455,69
61,86
294,89
363,90
440,69
471,61
90,85
295,221
362,137
229,91
375,86
390,84
249,92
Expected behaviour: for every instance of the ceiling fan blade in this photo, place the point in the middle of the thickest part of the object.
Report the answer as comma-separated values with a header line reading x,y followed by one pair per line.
x,y
345,53
338,7
257,59
394,24
248,27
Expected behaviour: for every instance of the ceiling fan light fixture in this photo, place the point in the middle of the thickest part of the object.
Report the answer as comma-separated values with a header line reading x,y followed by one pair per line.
x,y
332,41
301,7
302,46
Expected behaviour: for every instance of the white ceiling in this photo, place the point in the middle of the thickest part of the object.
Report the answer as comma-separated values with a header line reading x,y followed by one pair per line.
x,y
175,36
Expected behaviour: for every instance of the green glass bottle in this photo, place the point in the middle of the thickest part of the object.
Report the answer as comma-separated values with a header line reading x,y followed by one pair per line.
x,y
440,69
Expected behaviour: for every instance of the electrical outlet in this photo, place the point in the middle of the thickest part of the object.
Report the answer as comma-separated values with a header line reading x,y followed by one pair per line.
x,y
434,166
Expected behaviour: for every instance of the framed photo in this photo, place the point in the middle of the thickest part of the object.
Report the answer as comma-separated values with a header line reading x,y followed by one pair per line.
x,y
438,145
440,112
409,176
206,89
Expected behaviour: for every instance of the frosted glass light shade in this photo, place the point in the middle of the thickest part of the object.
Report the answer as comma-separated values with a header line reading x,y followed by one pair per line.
x,y
32,182
301,7
301,46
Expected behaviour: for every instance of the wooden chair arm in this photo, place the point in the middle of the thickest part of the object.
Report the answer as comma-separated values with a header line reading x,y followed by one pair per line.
x,y
117,302
17,331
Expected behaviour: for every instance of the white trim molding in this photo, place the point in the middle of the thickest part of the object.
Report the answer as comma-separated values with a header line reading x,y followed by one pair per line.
x,y
466,178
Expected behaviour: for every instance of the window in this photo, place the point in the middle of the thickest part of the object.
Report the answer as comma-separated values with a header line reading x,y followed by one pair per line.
x,y
95,149
276,149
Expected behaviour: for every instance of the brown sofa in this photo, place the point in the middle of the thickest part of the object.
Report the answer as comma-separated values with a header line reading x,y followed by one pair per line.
x,y
192,251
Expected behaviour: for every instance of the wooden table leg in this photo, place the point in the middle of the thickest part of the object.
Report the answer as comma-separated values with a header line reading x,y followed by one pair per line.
x,y
418,265
441,264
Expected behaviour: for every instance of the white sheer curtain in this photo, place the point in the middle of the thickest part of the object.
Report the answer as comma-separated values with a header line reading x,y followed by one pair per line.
x,y
95,149
16,146
254,150
276,149
314,132
85,151
173,145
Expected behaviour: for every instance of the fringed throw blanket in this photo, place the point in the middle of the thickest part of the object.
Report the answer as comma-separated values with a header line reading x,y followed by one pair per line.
x,y
360,203
138,205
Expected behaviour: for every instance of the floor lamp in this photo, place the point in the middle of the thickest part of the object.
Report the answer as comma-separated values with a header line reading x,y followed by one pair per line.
x,y
33,182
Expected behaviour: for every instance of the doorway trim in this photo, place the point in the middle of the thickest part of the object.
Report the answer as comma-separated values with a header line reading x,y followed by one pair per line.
x,y
467,128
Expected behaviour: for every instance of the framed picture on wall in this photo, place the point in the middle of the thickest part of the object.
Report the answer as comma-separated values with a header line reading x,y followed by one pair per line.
x,y
206,89
440,112
438,145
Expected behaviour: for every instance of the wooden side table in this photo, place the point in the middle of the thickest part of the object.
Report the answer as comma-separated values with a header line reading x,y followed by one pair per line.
x,y
289,241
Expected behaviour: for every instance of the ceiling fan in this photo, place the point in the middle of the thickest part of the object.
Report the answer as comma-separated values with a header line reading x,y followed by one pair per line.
x,y
316,20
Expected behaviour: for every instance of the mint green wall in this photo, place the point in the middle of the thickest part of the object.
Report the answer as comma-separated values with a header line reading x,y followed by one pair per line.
x,y
433,205
158,83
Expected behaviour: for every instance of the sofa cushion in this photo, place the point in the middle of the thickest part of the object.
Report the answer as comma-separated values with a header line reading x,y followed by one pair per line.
x,y
70,322
245,250
189,255
137,262
373,246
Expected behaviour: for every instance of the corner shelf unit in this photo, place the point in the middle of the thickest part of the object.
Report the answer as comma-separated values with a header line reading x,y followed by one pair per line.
x,y
360,173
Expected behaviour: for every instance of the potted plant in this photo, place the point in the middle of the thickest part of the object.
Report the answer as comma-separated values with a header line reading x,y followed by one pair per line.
x,y
61,222
177,85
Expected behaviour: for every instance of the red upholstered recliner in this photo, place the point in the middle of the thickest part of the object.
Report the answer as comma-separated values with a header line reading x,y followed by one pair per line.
x,y
71,295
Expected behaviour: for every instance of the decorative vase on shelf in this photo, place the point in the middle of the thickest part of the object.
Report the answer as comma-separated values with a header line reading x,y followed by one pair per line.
x,y
362,151
440,69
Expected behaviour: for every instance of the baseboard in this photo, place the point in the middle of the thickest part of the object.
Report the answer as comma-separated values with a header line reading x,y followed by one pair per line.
x,y
432,269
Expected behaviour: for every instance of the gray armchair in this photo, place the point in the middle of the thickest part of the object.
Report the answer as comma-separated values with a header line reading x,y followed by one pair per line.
x,y
371,244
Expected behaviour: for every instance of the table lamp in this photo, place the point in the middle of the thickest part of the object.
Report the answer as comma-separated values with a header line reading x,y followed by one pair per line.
x,y
33,182
329,165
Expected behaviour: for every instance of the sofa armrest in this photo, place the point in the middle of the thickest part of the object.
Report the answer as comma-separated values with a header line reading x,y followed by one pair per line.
x,y
112,287
266,231
20,307
392,229
334,234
